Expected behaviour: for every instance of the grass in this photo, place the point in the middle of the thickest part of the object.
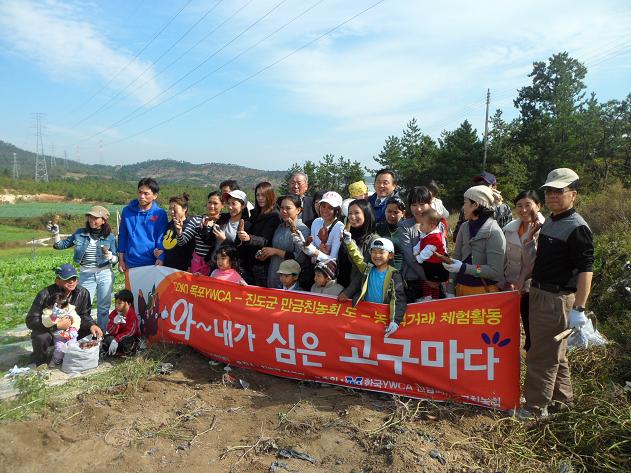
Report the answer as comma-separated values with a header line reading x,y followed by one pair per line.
x,y
23,274
11,234
35,209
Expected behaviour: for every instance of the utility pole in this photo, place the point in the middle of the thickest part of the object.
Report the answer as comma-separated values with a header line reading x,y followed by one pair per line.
x,y
41,173
486,129
16,171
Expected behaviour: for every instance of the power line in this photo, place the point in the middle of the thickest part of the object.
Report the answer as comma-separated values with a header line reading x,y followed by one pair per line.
x,y
118,94
251,76
130,116
155,36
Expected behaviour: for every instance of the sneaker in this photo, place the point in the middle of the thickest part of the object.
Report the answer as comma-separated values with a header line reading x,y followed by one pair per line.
x,y
557,407
525,414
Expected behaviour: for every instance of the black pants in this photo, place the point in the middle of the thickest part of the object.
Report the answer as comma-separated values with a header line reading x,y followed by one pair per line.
x,y
43,342
127,346
524,307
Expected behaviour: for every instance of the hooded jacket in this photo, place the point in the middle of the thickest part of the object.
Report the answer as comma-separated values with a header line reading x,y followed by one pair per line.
x,y
140,233
393,286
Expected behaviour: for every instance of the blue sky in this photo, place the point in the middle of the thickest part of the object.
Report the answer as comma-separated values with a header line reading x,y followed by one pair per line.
x,y
98,70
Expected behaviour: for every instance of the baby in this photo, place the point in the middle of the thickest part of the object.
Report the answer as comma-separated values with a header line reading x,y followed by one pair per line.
x,y
61,315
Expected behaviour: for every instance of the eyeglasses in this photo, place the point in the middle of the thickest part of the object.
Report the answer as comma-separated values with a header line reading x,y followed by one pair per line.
x,y
555,191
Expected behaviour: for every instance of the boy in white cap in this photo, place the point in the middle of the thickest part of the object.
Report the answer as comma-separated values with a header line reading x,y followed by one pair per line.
x,y
381,282
561,282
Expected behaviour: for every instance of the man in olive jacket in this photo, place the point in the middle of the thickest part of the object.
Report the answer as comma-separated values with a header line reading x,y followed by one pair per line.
x,y
42,337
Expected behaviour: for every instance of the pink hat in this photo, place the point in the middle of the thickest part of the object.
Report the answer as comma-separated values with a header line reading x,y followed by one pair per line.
x,y
332,198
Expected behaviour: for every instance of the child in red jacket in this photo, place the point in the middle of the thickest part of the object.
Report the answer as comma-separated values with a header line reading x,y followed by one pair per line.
x,y
432,243
123,329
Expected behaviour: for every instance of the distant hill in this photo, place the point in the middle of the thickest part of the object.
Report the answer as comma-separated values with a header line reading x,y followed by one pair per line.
x,y
164,170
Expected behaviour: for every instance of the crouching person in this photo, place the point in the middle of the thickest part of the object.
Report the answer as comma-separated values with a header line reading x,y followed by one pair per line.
x,y
123,329
381,282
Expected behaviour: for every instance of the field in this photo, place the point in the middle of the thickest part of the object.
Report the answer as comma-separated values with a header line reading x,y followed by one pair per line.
x,y
22,276
12,234
36,209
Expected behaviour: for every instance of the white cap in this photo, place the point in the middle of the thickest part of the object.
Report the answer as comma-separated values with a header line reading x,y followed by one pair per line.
x,y
237,194
332,198
383,244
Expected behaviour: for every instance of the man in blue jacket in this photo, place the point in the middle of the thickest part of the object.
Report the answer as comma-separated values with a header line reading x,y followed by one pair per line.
x,y
142,228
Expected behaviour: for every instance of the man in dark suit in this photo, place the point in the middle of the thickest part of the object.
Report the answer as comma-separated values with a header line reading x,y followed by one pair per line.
x,y
298,185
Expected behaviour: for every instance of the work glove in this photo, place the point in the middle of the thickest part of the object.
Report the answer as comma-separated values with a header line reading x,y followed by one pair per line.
x,y
392,327
420,259
299,240
119,319
577,319
454,266
449,295
113,347
310,250
346,236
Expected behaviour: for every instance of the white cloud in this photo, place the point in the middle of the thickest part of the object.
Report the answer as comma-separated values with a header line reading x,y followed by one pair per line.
x,y
408,58
67,48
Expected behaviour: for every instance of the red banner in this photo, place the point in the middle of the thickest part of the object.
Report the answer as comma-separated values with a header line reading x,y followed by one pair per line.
x,y
464,349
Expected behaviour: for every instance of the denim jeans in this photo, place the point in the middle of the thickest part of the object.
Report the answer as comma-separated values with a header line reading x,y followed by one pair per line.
x,y
99,284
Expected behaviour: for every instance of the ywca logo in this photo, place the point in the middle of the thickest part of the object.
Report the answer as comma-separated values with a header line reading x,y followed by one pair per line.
x,y
354,381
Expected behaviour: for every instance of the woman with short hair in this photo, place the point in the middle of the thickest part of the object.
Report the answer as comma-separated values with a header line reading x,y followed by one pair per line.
x,y
176,256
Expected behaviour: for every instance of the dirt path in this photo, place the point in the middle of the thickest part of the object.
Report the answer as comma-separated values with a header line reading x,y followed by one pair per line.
x,y
200,419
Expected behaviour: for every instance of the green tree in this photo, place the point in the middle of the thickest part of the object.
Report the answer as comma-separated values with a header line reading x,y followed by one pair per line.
x,y
411,156
329,174
459,158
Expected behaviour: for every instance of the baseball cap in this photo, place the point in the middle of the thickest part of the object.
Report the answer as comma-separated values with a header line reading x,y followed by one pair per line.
x,y
289,266
66,271
486,177
560,178
327,267
99,211
332,198
357,189
483,195
383,244
240,195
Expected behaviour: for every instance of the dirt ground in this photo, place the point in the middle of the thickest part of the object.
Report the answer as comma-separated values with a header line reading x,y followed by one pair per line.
x,y
199,418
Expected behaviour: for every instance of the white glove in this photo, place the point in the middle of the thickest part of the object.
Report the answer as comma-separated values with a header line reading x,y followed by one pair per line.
x,y
449,295
119,319
299,240
577,319
420,259
346,236
109,256
113,347
392,327
454,266
310,250
52,228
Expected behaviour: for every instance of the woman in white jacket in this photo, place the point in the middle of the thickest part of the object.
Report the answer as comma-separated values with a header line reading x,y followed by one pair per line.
x,y
517,273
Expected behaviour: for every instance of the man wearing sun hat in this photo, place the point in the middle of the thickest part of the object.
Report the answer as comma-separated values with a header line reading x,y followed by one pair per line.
x,y
66,282
561,282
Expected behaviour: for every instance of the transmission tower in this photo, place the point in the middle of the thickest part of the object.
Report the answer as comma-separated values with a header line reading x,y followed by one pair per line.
x,y
41,173
53,161
16,171
65,160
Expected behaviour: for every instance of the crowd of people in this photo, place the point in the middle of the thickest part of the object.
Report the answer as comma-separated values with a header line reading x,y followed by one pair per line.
x,y
391,247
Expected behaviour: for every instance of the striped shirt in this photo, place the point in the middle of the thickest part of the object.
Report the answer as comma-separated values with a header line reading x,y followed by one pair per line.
x,y
192,232
89,257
